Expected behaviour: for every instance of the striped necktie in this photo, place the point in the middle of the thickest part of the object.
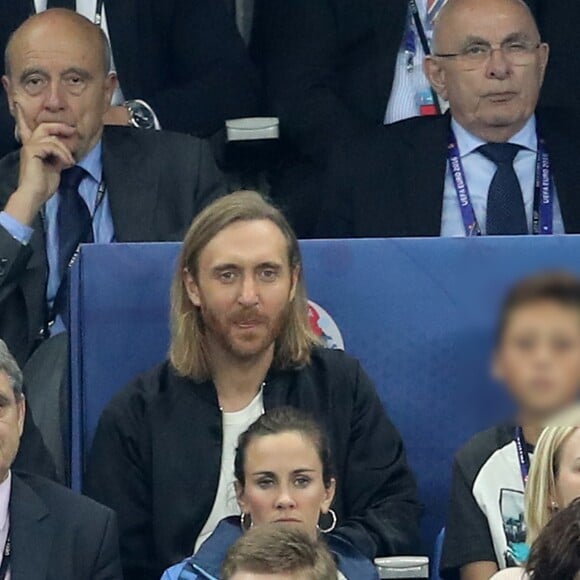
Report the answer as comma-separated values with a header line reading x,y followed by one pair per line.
x,y
433,8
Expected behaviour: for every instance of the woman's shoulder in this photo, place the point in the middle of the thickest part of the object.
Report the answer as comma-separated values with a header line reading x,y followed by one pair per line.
x,y
511,574
176,573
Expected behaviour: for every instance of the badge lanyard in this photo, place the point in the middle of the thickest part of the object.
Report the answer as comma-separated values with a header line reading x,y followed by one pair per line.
x,y
411,45
98,11
543,215
523,456
6,557
63,283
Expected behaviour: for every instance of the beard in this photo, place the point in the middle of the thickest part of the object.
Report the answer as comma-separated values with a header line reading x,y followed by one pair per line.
x,y
244,344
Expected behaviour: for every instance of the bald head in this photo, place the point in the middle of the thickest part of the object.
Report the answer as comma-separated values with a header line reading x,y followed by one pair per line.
x,y
54,22
455,11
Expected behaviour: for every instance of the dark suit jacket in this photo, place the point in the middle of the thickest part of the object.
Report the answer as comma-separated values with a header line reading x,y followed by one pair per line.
x,y
184,57
390,182
156,182
328,67
59,535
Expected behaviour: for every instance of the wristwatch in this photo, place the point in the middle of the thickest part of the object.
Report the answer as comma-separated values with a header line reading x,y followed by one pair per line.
x,y
141,115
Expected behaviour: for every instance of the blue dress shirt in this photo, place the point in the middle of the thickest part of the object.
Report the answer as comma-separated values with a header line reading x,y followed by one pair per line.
x,y
103,229
479,172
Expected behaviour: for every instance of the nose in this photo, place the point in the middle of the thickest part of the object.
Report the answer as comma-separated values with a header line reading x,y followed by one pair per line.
x,y
54,99
248,292
285,500
498,66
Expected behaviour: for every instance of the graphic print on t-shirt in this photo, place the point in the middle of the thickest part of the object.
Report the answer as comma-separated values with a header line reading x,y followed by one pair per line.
x,y
511,505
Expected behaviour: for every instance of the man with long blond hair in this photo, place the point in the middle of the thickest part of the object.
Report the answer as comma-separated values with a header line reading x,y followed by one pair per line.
x,y
242,345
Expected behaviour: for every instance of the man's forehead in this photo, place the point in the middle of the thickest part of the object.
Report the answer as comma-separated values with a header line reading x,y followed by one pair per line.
x,y
61,42
495,20
257,241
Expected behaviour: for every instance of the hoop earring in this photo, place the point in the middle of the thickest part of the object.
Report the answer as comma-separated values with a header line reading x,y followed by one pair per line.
x,y
244,518
332,525
16,134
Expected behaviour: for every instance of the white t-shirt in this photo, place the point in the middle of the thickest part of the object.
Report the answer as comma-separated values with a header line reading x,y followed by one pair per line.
x,y
225,504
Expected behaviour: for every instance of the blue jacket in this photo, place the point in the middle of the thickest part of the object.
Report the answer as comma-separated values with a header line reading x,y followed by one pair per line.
x,y
207,563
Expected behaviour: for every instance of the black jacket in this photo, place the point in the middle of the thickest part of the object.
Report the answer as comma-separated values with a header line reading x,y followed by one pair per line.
x,y
156,183
156,460
184,57
59,535
390,182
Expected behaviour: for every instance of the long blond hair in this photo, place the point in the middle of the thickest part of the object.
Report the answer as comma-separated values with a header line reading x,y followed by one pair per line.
x,y
541,488
188,351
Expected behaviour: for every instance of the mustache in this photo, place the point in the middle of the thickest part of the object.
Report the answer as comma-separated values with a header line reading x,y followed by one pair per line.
x,y
245,316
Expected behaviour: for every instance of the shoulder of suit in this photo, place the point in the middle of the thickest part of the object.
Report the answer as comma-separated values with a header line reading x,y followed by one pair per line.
x,y
114,134
61,499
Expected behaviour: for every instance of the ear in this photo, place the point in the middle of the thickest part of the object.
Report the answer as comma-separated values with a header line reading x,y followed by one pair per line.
x,y
21,408
435,73
544,53
240,497
328,496
111,84
8,89
295,277
191,288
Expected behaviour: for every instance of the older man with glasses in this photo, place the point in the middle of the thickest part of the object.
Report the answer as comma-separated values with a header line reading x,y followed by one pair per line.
x,y
492,166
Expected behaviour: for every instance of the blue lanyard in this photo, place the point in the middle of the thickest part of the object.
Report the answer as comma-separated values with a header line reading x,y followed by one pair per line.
x,y
543,216
523,456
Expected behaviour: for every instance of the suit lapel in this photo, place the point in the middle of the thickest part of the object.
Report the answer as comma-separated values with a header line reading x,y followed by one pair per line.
x,y
31,532
389,18
425,182
132,184
123,23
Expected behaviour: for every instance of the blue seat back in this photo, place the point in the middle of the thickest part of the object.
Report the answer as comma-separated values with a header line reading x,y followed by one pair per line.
x,y
420,315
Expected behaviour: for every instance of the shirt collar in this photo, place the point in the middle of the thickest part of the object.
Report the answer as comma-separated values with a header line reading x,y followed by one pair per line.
x,y
467,142
5,488
92,162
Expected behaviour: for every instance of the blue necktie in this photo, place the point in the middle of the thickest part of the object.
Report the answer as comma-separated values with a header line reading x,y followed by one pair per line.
x,y
506,213
74,221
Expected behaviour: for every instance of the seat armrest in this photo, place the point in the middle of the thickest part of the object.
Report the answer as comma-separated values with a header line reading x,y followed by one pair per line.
x,y
403,567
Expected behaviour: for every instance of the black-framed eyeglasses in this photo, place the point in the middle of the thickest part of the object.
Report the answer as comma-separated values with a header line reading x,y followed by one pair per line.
x,y
517,52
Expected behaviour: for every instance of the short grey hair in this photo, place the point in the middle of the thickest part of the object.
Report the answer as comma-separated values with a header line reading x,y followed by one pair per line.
x,y
10,368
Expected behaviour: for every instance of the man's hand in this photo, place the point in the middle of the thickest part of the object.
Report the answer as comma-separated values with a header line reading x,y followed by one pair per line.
x,y
42,157
117,116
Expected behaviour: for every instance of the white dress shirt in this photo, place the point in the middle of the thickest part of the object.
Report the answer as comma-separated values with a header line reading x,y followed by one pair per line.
x,y
479,172
88,9
5,489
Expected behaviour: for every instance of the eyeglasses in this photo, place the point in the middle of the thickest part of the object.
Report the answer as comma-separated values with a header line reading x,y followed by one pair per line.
x,y
517,53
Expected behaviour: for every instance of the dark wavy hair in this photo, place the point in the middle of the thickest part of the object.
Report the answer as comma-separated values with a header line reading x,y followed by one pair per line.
x,y
555,554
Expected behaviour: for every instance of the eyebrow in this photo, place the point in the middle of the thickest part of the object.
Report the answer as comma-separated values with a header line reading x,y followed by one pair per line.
x,y
295,472
33,71
509,38
231,266
81,72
